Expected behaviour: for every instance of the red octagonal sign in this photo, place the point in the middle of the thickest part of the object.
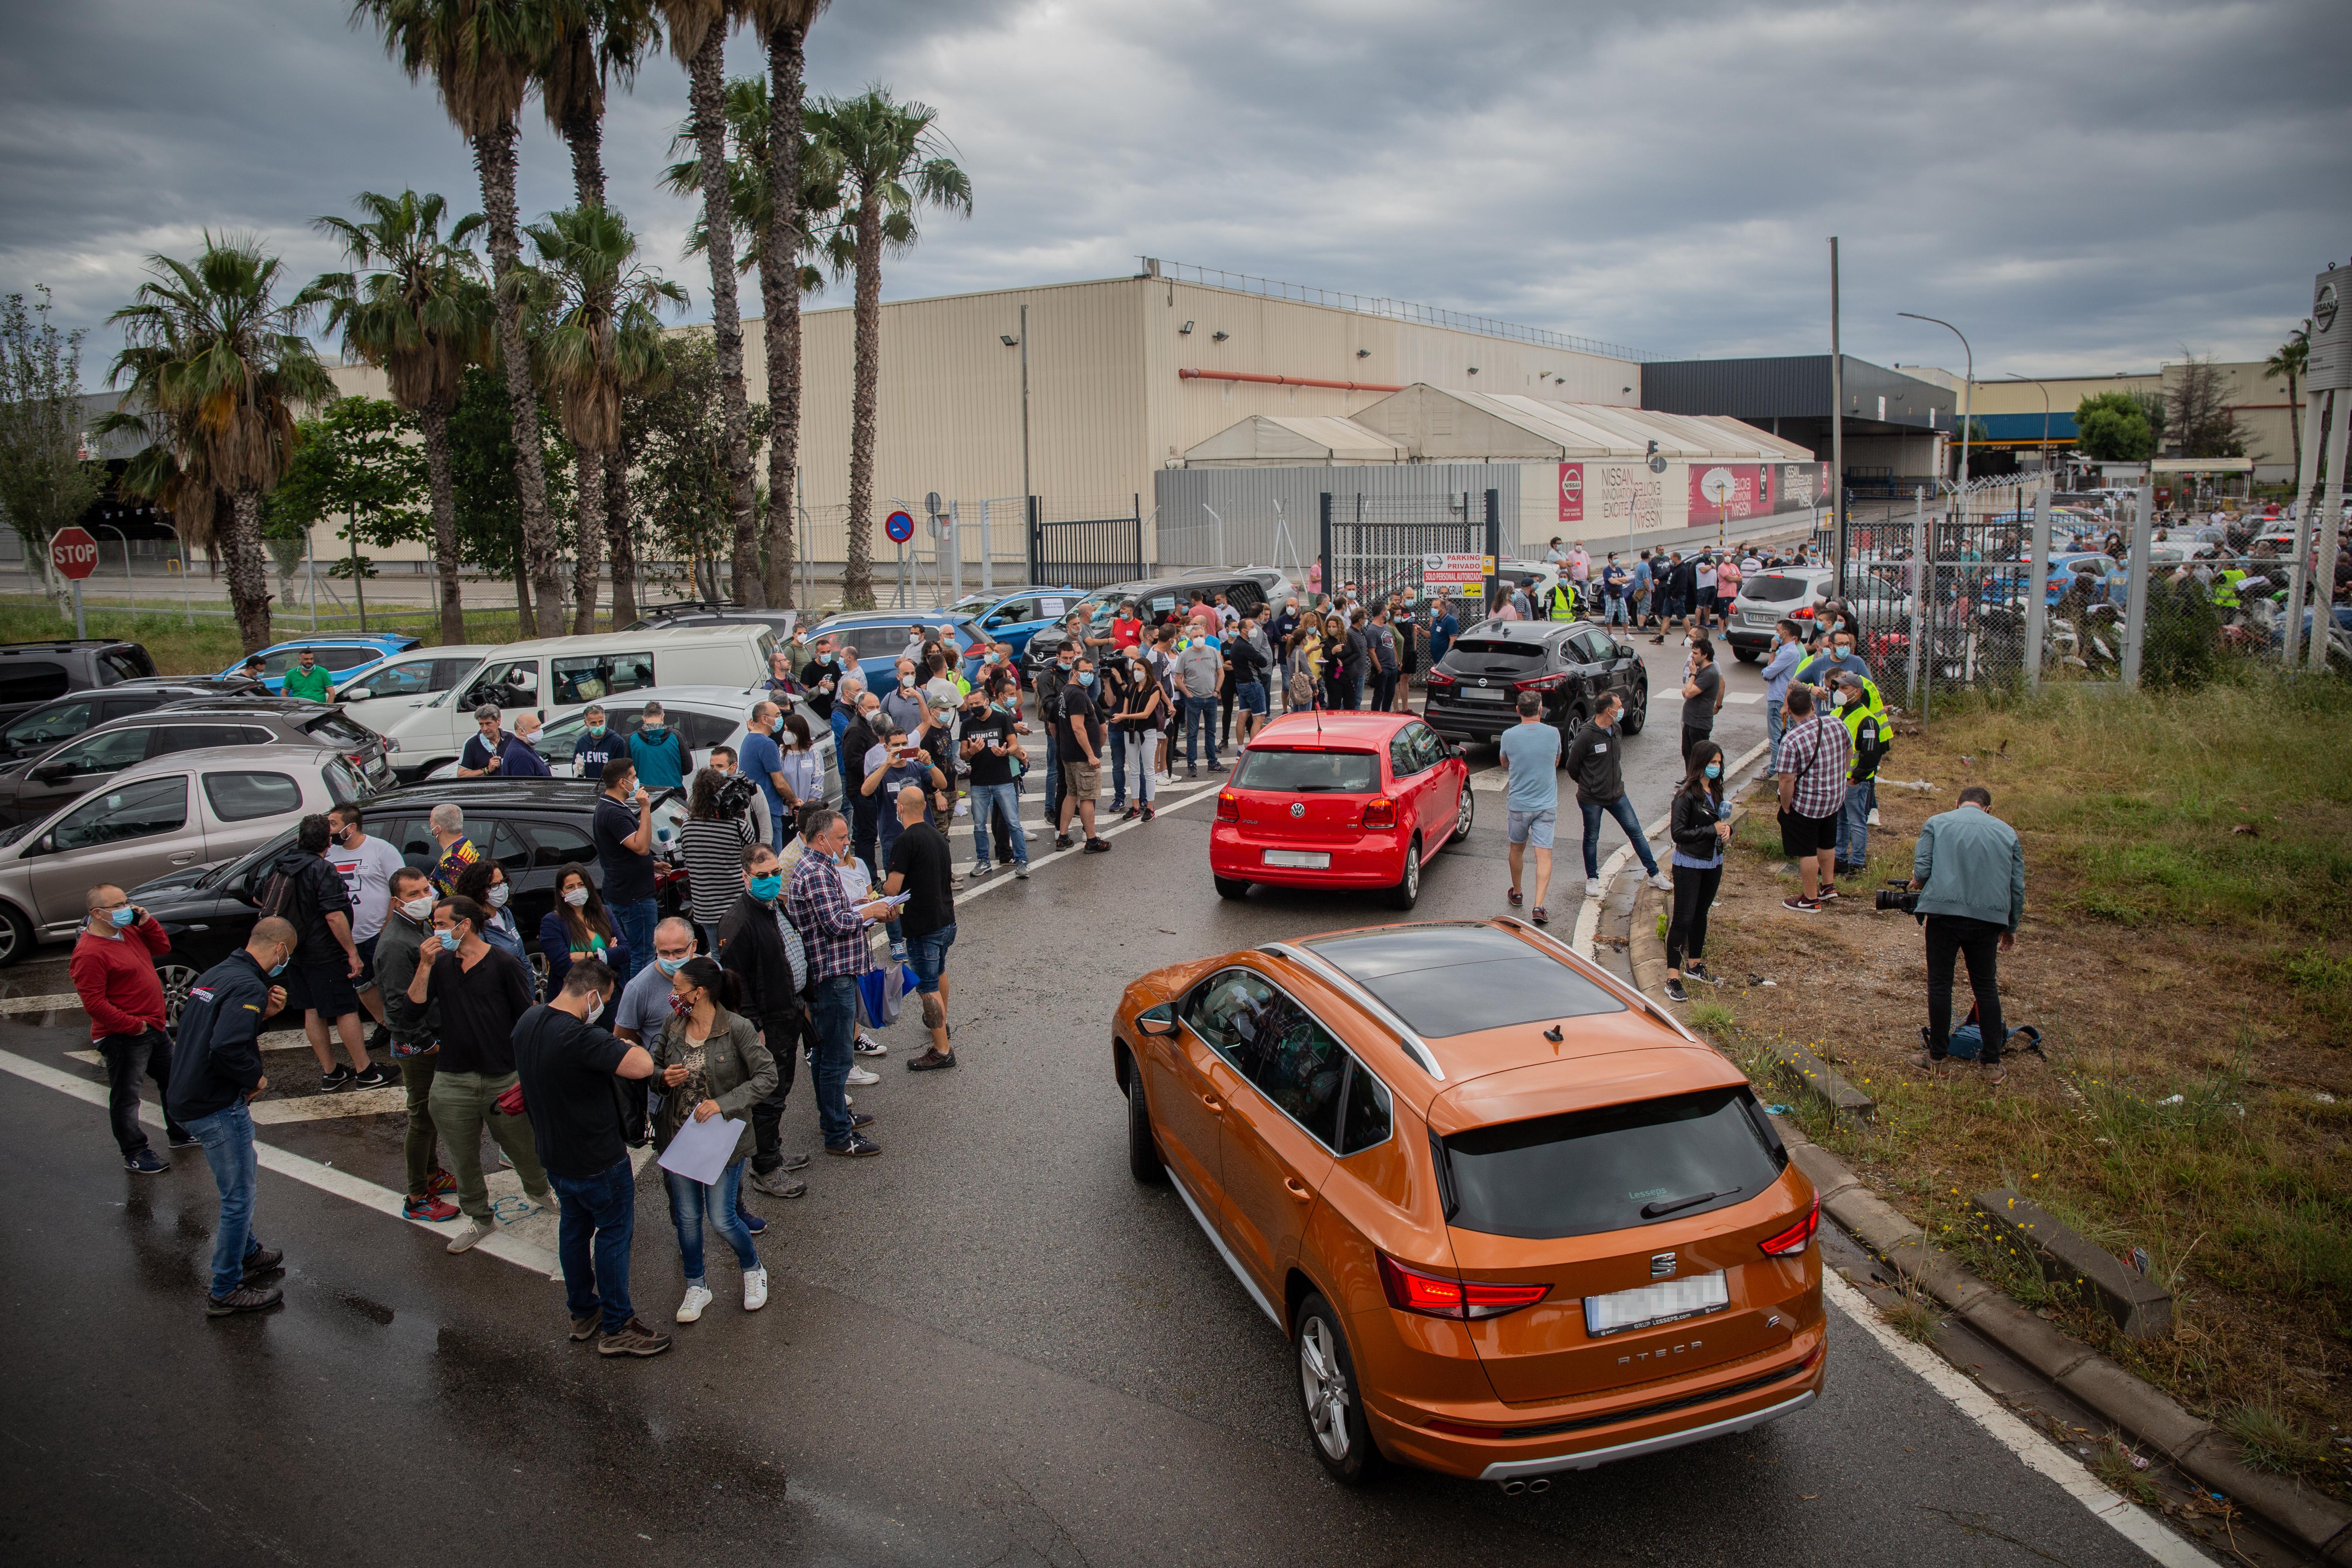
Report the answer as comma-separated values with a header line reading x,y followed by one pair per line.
x,y
73,553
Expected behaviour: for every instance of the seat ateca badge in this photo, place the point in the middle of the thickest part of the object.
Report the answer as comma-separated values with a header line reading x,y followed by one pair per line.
x,y
1661,1264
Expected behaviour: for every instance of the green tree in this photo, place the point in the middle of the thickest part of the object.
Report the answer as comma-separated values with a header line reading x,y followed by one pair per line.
x,y
360,461
2293,357
891,165
698,37
597,315
414,304
673,436
480,55
213,356
46,484
2113,427
490,507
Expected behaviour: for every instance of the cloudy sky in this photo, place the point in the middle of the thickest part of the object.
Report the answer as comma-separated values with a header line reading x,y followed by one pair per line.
x,y
2081,187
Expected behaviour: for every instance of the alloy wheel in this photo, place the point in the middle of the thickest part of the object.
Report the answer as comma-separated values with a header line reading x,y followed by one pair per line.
x,y
1413,870
1325,1385
1462,812
178,980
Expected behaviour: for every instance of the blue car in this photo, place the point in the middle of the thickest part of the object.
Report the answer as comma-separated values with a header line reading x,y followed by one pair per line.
x,y
878,636
1016,615
340,656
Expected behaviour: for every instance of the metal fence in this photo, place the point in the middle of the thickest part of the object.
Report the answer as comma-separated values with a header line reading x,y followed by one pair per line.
x,y
1385,547
1086,551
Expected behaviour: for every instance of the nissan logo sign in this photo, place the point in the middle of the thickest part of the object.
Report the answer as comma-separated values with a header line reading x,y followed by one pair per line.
x,y
2323,307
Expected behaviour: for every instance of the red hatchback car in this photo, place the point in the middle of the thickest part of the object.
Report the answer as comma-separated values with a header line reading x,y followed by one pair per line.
x,y
1340,800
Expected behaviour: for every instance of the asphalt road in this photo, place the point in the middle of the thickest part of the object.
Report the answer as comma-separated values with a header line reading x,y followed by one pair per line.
x,y
987,1346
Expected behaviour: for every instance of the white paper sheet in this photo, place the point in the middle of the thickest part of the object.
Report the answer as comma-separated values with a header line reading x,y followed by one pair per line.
x,y
700,1151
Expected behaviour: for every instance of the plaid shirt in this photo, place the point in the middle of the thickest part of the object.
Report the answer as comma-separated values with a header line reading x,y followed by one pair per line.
x,y
829,924
1816,752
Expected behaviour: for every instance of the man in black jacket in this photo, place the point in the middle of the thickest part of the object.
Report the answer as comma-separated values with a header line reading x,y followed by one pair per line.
x,y
304,888
1596,762
216,1069
862,736
756,940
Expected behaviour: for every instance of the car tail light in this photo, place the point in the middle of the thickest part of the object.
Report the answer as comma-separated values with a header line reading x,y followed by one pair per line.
x,y
1797,1238
1229,806
1437,678
1540,683
1437,1296
1380,813
1803,612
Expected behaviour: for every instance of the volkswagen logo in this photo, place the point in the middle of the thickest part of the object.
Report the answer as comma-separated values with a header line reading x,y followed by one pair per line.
x,y
1662,1264
1298,808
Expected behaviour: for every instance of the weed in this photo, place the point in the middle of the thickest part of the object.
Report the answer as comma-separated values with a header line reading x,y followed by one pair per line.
x,y
1712,1018
1911,1315
2122,1471
2270,1439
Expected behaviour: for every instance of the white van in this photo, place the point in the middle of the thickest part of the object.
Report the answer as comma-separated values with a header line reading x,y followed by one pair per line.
x,y
388,692
558,676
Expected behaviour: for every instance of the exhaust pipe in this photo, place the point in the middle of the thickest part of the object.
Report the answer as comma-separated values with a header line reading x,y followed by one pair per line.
x,y
1513,1489
1540,1484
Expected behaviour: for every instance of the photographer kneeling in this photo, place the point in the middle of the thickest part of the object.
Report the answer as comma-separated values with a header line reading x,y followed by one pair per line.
x,y
1969,872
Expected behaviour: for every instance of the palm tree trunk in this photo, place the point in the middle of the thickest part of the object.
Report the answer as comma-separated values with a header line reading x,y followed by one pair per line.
x,y
249,574
779,298
524,620
706,96
494,159
857,578
443,485
584,132
2295,428
588,558
619,540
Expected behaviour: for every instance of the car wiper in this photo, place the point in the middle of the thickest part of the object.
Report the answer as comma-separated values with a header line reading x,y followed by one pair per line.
x,y
1669,1206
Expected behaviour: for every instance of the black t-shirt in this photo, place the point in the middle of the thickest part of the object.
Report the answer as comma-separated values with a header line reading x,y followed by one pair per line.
x,y
814,672
1241,654
1077,707
323,894
988,767
479,1008
628,873
569,1091
922,856
856,739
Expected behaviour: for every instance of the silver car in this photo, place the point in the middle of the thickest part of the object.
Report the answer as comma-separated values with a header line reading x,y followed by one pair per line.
x,y
154,817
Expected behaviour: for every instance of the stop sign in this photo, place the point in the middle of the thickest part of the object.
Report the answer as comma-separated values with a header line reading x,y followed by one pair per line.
x,y
73,553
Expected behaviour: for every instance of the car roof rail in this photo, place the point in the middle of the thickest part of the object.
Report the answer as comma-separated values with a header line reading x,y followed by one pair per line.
x,y
1356,992
1609,981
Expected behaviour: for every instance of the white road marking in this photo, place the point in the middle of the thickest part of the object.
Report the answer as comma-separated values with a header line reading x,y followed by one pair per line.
x,y
2005,1427
1169,798
1588,917
64,1002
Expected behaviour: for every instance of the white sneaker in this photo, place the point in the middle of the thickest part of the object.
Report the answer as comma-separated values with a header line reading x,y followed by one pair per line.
x,y
476,1230
1592,887
858,1075
690,1310
755,1290
867,1046
1662,882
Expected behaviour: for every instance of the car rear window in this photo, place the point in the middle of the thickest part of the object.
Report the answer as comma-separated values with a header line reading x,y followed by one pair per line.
x,y
1521,647
1616,1168
336,729
1309,772
1773,588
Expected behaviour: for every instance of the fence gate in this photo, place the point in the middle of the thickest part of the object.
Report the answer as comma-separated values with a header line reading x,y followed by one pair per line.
x,y
1085,552
1381,545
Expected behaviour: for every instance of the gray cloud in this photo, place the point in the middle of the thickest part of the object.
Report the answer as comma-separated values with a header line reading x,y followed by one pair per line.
x,y
2081,187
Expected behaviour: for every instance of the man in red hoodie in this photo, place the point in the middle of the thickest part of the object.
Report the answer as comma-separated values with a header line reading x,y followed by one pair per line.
x,y
114,974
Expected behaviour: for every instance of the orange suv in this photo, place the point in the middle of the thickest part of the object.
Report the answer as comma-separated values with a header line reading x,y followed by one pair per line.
x,y
1514,1218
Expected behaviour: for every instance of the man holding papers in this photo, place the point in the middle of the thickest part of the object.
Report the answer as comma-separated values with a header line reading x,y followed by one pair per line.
x,y
712,1065
567,1068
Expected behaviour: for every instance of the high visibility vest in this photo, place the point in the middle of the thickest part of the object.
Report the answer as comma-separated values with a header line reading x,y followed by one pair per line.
x,y
1854,715
1563,602
2225,587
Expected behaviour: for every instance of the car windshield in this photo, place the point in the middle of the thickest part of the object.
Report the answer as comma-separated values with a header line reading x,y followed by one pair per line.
x,y
1616,1168
1309,772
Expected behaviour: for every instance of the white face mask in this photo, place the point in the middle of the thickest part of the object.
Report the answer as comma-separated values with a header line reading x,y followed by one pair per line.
x,y
498,896
577,898
595,1003
419,910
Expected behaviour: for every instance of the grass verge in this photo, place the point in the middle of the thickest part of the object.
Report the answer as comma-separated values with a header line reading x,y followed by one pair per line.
x,y
211,646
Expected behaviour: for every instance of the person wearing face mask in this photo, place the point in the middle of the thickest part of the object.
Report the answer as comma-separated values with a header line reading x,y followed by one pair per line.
x,y
623,828
305,889
758,945
597,745
580,926
857,743
1823,668
645,997
711,1063
575,1078
415,1043
486,883
992,750
1702,694
658,751
1788,652
519,758
1138,710
215,1072
1050,684
114,974
713,841
763,764
1869,732
1081,740
903,703
834,928
1699,826
899,761
366,866
1596,764
482,992
821,676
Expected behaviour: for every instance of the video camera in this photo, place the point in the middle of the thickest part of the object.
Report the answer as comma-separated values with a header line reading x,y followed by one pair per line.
x,y
734,797
1897,895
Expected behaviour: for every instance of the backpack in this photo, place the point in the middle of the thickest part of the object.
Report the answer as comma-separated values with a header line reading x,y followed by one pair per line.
x,y
282,896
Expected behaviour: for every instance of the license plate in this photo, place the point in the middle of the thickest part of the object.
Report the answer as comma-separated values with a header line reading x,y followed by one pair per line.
x,y
1484,693
1299,859
1659,1303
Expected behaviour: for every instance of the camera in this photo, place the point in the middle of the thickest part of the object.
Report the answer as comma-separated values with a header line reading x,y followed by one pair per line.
x,y
1897,895
734,797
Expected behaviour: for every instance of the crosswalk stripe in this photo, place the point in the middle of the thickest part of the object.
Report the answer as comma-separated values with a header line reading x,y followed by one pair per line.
x,y
66,1001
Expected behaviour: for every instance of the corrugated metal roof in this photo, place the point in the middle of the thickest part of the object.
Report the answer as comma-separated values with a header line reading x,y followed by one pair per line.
x,y
1270,440
1436,424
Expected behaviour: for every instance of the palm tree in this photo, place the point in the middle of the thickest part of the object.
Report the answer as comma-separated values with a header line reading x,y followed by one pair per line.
x,y
598,318
784,24
219,365
414,305
480,55
698,37
891,165
2292,360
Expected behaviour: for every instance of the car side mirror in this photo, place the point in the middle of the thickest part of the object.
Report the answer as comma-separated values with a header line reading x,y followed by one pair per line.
x,y
49,772
355,694
1625,651
1159,1021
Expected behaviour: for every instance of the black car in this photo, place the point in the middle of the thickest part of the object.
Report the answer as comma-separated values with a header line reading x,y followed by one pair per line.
x,y
32,673
1158,601
53,723
1473,689
711,612
533,827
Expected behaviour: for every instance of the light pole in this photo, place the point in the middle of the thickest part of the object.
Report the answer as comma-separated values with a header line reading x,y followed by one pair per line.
x,y
1966,386
2044,388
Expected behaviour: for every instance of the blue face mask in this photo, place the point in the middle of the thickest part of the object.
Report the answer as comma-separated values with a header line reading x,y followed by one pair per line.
x,y
1087,678
596,732
669,965
1715,770
122,917
279,967
765,889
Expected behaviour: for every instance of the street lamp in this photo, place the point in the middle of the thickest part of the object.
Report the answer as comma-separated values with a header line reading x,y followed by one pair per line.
x,y
2044,388
1966,401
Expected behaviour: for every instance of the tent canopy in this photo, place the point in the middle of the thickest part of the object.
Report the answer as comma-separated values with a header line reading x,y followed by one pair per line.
x,y
1268,441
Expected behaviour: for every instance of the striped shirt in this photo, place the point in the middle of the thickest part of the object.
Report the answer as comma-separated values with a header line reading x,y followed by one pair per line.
x,y
1816,753
714,866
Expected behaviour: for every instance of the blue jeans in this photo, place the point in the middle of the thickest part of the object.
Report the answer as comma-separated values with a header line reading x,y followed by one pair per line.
x,y
1774,727
635,922
1198,713
1118,768
927,956
987,802
689,1200
1853,823
834,1020
227,1137
603,1208
1621,808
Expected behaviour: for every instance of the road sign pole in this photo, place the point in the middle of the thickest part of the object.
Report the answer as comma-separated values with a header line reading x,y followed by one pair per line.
x,y
81,627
